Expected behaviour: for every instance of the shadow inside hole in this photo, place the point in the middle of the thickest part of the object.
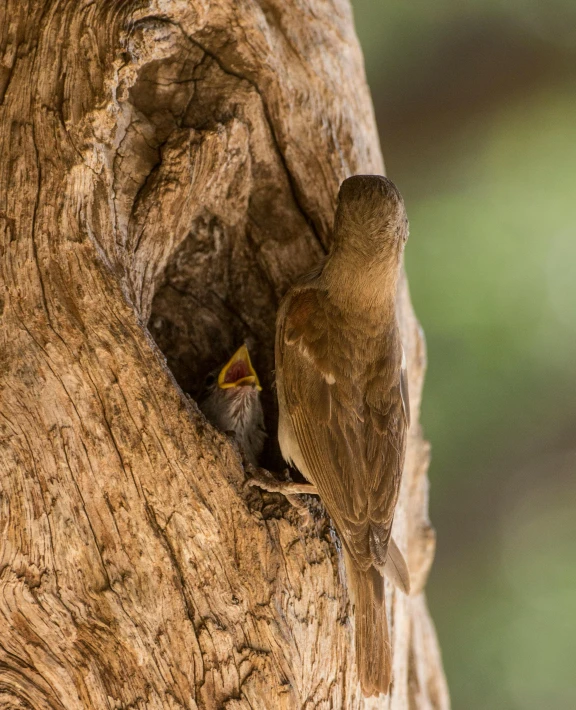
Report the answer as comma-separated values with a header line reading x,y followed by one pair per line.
x,y
198,324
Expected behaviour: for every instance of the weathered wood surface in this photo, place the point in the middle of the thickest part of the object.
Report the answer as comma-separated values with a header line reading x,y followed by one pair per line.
x,y
173,165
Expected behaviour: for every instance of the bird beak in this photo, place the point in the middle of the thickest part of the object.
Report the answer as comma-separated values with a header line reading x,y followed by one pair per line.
x,y
238,371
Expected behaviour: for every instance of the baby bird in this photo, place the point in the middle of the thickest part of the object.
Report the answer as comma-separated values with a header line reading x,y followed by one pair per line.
x,y
232,403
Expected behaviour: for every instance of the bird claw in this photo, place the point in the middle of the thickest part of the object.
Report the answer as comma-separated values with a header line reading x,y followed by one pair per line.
x,y
261,478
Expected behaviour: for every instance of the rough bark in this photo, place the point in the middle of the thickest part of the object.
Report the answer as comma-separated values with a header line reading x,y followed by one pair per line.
x,y
167,169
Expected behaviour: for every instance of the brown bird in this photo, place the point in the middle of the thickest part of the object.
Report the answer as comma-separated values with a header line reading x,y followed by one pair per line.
x,y
343,399
232,403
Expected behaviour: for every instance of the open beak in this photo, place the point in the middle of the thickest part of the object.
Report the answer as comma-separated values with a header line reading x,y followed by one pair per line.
x,y
238,371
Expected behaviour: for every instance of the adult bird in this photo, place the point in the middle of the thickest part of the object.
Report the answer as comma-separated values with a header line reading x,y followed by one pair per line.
x,y
343,397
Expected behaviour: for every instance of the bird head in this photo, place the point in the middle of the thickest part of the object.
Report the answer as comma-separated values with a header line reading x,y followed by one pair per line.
x,y
370,218
238,372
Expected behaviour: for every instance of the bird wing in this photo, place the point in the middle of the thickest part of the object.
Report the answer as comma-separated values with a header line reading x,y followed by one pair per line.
x,y
351,436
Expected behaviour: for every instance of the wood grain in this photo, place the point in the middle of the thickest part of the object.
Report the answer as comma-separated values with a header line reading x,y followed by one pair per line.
x,y
168,169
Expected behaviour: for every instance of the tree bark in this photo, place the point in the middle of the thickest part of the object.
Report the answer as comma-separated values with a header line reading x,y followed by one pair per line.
x,y
168,168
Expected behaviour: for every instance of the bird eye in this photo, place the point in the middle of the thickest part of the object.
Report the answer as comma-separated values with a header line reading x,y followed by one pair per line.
x,y
210,380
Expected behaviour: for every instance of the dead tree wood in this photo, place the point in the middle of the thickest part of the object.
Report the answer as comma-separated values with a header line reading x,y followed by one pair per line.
x,y
167,169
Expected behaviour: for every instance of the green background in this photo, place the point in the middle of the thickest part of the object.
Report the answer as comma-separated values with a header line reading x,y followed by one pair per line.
x,y
476,106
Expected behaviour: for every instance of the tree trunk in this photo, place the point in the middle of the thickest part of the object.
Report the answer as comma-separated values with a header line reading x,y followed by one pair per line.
x,y
168,168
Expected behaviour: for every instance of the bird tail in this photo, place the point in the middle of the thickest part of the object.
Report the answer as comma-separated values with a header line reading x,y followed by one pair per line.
x,y
373,652
395,567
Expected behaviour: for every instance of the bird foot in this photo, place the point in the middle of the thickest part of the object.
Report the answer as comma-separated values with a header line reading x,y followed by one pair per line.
x,y
261,478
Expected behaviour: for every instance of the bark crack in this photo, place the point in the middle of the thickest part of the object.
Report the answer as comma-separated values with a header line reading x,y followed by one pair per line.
x,y
280,152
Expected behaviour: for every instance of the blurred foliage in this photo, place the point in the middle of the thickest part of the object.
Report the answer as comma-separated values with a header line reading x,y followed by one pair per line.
x,y
389,29
487,169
